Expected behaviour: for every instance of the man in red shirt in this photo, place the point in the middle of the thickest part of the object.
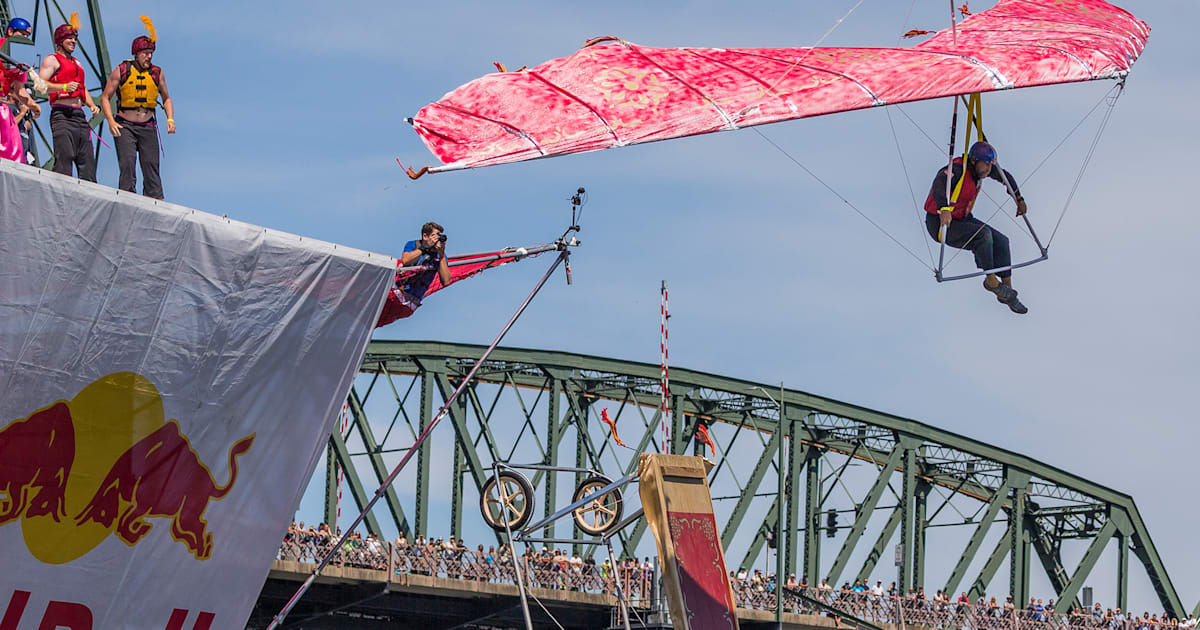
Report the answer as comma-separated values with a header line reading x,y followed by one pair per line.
x,y
964,231
68,96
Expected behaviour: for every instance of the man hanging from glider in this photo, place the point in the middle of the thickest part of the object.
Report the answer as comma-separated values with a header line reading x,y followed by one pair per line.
x,y
429,252
963,230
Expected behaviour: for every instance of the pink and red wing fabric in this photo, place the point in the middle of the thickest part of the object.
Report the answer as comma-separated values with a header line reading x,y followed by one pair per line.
x,y
616,93
399,307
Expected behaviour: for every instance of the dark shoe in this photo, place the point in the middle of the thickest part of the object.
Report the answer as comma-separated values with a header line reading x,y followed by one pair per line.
x,y
1008,296
1003,292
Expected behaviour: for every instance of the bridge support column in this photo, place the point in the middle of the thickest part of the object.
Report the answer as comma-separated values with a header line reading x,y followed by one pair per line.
x,y
908,512
812,516
918,555
1018,544
553,435
796,451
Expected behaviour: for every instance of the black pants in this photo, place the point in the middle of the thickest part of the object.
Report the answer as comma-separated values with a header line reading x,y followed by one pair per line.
x,y
987,243
138,142
72,143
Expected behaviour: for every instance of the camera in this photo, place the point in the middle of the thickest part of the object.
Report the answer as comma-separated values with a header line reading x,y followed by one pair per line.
x,y
442,238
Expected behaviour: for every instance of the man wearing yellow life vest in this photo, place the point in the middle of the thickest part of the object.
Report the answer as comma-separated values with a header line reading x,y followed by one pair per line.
x,y
68,96
137,83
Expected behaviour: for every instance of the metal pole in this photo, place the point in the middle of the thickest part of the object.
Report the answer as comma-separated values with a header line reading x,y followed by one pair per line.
x,y
474,259
666,383
949,177
953,23
779,521
612,560
563,255
512,546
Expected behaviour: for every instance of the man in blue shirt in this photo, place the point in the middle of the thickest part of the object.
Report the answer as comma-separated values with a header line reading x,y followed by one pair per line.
x,y
428,251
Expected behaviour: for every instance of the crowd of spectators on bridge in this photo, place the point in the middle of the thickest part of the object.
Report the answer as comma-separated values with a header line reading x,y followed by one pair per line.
x,y
549,567
553,568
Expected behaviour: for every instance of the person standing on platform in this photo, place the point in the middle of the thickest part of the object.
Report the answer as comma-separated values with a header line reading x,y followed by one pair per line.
x,y
68,96
20,104
138,83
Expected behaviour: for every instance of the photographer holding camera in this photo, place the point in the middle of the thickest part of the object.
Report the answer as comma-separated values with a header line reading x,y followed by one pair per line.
x,y
411,286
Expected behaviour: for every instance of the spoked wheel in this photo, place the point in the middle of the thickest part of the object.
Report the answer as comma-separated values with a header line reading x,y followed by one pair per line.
x,y
506,501
600,514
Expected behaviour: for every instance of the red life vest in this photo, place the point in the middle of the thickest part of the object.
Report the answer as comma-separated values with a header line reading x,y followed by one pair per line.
x,y
68,70
966,196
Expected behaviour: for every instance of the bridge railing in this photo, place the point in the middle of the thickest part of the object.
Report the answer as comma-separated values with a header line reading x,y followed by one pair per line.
x,y
934,614
635,583
464,564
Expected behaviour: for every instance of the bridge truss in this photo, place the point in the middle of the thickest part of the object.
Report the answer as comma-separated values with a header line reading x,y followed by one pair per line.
x,y
857,484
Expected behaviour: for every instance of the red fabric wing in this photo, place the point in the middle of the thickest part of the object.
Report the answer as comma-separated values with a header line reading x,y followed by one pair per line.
x,y
618,93
464,271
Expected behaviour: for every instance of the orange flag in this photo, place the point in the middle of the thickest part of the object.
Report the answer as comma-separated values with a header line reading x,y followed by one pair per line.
x,y
611,425
702,433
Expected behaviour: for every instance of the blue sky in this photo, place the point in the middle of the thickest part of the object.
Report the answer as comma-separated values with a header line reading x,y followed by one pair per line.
x,y
291,116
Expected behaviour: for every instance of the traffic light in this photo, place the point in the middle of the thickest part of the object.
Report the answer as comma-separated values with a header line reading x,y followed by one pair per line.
x,y
770,534
830,524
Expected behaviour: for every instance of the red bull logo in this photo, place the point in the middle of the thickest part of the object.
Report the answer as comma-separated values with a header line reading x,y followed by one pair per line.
x,y
106,463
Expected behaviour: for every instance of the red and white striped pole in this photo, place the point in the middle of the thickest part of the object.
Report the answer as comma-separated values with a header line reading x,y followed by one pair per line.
x,y
666,382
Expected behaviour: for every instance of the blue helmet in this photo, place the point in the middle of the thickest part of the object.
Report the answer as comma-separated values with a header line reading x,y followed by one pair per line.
x,y
982,152
19,24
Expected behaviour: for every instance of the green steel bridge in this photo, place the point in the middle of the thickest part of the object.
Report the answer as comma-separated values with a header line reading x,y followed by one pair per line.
x,y
856,487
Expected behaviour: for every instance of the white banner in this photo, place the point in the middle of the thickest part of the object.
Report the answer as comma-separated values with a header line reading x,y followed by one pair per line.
x,y
168,380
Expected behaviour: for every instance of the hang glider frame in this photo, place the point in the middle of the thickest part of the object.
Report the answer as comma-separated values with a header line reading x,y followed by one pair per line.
x,y
974,107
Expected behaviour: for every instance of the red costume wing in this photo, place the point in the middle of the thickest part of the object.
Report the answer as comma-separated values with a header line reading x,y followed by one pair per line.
x,y
615,93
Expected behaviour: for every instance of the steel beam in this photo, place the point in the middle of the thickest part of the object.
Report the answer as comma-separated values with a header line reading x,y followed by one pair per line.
x,y
579,408
553,436
377,464
1143,548
760,539
1123,572
456,488
350,476
864,511
796,452
908,499
1018,560
331,483
880,547
421,511
979,586
679,436
981,529
1050,556
1067,597
919,526
743,504
458,417
812,514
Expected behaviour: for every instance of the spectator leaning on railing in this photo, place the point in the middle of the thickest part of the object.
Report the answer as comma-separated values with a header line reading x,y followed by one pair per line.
x,y
552,569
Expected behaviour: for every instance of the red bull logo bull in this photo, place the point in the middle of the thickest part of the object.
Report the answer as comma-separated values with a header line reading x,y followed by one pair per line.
x,y
106,463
